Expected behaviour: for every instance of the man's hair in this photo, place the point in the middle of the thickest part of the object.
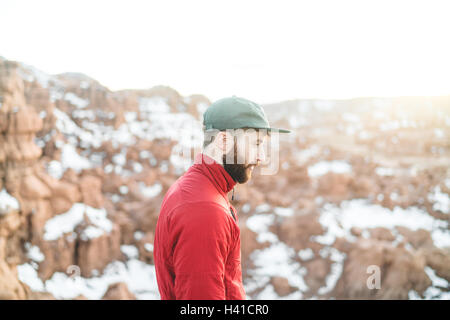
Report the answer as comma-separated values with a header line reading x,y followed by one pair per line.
x,y
211,135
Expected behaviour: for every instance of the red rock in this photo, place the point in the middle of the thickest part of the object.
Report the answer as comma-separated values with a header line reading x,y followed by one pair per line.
x,y
118,291
25,120
91,191
418,238
59,255
67,191
145,246
281,286
96,253
296,231
439,260
34,188
60,205
43,211
381,234
318,270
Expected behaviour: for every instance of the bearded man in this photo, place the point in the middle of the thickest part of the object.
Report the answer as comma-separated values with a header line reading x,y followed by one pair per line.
x,y
197,245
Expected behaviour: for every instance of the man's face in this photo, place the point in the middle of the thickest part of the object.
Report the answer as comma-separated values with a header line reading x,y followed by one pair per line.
x,y
247,153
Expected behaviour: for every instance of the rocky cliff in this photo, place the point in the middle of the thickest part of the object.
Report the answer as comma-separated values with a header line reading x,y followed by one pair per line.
x,y
359,207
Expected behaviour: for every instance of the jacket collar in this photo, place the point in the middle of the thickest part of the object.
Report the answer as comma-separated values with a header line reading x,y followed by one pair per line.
x,y
215,172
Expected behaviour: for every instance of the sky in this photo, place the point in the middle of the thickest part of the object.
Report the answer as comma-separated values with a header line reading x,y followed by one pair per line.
x,y
266,51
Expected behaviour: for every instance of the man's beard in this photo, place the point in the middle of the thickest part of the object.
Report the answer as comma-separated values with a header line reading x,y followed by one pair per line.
x,y
239,172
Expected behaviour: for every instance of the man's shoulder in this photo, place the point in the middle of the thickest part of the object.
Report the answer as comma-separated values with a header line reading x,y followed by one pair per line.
x,y
193,188
200,206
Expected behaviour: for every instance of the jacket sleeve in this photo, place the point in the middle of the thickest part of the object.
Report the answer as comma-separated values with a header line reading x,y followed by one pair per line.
x,y
202,236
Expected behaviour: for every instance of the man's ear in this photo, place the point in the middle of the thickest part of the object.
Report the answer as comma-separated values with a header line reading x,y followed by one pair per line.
x,y
224,142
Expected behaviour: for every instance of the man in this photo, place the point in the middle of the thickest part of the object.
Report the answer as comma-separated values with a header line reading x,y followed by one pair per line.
x,y
197,248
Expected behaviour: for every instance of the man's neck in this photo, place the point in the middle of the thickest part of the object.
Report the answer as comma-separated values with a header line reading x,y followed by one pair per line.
x,y
210,152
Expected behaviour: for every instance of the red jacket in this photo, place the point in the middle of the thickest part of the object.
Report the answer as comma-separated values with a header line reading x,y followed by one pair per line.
x,y
197,245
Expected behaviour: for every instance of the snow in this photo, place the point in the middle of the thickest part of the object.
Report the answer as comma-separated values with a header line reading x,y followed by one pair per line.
x,y
153,105
246,208
350,117
28,275
67,222
64,223
150,192
435,290
304,155
275,260
145,154
439,133
120,158
306,254
324,105
84,85
109,168
364,135
140,278
440,200
384,171
279,260
435,280
34,253
360,213
130,251
73,132
336,269
71,159
99,218
137,167
284,212
259,223
138,235
324,167
389,125
116,198
297,122
130,116
76,100
84,114
56,93
7,202
91,232
158,122
123,189
188,129
265,207
30,74
55,169
201,107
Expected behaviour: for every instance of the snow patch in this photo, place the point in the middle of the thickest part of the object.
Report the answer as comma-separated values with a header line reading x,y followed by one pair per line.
x,y
67,222
323,167
76,100
7,202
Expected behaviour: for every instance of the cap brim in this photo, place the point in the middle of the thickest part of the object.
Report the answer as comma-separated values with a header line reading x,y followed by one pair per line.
x,y
269,129
280,130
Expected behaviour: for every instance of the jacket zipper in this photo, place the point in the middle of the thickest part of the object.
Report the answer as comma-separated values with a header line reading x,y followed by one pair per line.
x,y
232,213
